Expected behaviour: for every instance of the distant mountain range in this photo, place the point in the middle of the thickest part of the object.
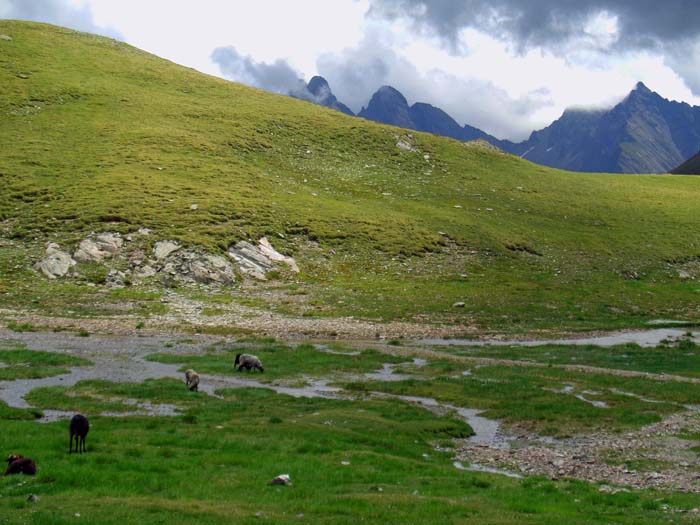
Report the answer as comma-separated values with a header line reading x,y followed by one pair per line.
x,y
689,167
645,133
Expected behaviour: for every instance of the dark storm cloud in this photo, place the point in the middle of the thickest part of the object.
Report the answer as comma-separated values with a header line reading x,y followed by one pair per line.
x,y
642,24
58,12
278,77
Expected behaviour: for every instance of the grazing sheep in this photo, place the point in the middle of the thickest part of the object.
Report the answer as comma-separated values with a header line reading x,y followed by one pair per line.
x,y
17,464
79,428
247,361
192,380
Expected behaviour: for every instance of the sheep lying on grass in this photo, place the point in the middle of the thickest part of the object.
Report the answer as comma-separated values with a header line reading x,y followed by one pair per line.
x,y
17,464
79,428
192,380
247,361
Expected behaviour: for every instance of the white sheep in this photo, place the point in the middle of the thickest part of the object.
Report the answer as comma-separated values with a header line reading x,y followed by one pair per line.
x,y
248,361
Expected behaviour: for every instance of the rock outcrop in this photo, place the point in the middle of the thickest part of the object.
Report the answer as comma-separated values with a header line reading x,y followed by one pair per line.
x,y
101,247
190,266
56,264
257,260
169,261
163,249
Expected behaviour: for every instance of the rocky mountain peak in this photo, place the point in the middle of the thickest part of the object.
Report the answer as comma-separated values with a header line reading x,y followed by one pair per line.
x,y
640,87
390,94
318,86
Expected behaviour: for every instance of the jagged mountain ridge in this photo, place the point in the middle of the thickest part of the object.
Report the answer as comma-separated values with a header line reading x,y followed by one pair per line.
x,y
689,167
321,91
645,133
389,106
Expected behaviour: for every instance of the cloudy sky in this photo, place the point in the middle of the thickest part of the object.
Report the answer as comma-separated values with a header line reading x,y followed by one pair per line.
x,y
505,66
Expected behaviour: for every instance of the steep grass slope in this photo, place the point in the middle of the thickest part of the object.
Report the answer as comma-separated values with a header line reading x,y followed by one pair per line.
x,y
96,135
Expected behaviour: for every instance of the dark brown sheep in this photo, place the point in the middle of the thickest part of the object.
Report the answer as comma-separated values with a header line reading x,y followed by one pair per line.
x,y
17,464
79,428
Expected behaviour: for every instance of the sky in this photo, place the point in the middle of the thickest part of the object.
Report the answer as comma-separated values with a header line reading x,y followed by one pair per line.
x,y
505,66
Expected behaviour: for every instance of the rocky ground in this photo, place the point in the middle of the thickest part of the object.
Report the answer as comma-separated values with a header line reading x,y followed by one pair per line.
x,y
664,460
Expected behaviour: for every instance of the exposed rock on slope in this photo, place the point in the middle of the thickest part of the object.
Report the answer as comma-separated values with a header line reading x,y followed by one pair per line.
x,y
203,268
101,247
256,261
163,249
57,263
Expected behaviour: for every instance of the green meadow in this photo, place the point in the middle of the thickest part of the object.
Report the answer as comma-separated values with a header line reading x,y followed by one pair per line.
x,y
363,459
16,362
99,136
96,135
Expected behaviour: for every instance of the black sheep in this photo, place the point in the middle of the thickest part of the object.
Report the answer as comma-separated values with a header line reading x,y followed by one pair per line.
x,y
79,428
17,464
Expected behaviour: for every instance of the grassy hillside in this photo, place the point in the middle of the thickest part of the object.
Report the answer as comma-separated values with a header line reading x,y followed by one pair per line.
x,y
97,135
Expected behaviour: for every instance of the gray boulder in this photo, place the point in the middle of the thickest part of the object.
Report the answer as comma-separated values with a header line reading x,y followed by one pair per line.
x,y
203,268
163,249
257,260
98,248
56,264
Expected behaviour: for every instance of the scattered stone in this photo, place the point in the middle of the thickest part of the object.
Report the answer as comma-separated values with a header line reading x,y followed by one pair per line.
x,y
145,271
56,263
256,261
586,457
144,231
115,279
459,304
194,206
481,143
101,247
405,143
282,479
163,249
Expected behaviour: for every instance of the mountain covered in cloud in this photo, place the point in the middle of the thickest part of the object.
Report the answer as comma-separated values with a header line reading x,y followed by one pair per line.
x,y
645,133
321,92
